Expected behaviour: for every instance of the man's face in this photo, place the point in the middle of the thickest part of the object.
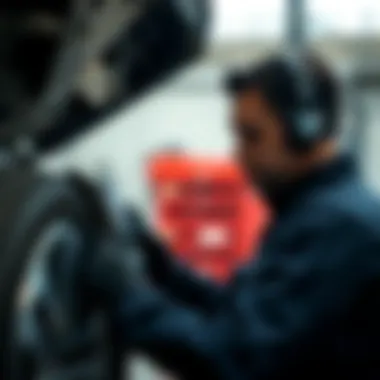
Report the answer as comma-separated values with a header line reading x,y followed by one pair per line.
x,y
260,141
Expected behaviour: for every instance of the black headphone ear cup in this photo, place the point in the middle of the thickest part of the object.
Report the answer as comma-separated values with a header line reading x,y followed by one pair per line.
x,y
306,123
295,140
310,125
292,137
304,129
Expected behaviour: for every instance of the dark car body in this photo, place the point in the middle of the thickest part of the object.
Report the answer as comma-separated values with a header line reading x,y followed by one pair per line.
x,y
53,52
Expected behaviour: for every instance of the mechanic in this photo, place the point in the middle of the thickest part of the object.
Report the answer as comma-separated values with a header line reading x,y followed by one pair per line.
x,y
309,306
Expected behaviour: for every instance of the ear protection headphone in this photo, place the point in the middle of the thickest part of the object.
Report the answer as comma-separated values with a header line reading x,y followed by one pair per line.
x,y
306,122
304,117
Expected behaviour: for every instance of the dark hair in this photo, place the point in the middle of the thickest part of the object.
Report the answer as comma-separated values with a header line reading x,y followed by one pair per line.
x,y
276,80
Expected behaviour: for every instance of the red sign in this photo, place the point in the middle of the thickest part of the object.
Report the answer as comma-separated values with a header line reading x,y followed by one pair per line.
x,y
209,216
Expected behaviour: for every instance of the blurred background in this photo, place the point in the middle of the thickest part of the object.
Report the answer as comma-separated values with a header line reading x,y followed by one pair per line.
x,y
191,112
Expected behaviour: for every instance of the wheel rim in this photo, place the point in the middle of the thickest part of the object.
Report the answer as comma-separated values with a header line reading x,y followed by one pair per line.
x,y
42,290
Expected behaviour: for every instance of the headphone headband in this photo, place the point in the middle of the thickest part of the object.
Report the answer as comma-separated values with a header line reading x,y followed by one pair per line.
x,y
307,122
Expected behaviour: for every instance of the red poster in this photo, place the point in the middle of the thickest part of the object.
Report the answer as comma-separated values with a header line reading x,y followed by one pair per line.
x,y
210,217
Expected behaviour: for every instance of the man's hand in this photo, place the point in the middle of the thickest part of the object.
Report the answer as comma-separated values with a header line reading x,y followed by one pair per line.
x,y
154,251
116,269
168,274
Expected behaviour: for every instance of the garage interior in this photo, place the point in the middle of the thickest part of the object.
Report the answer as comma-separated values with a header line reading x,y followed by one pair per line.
x,y
189,111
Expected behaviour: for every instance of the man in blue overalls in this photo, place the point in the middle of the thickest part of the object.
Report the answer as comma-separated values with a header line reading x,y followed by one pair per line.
x,y
309,307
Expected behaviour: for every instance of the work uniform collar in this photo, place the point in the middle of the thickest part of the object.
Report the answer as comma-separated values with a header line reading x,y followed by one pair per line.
x,y
340,168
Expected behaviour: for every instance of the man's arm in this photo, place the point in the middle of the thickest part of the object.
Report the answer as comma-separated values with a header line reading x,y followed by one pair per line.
x,y
272,323
174,279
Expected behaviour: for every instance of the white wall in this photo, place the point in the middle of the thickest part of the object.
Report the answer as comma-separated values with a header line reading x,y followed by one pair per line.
x,y
194,120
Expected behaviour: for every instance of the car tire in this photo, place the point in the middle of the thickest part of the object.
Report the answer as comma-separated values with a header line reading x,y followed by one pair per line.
x,y
30,202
